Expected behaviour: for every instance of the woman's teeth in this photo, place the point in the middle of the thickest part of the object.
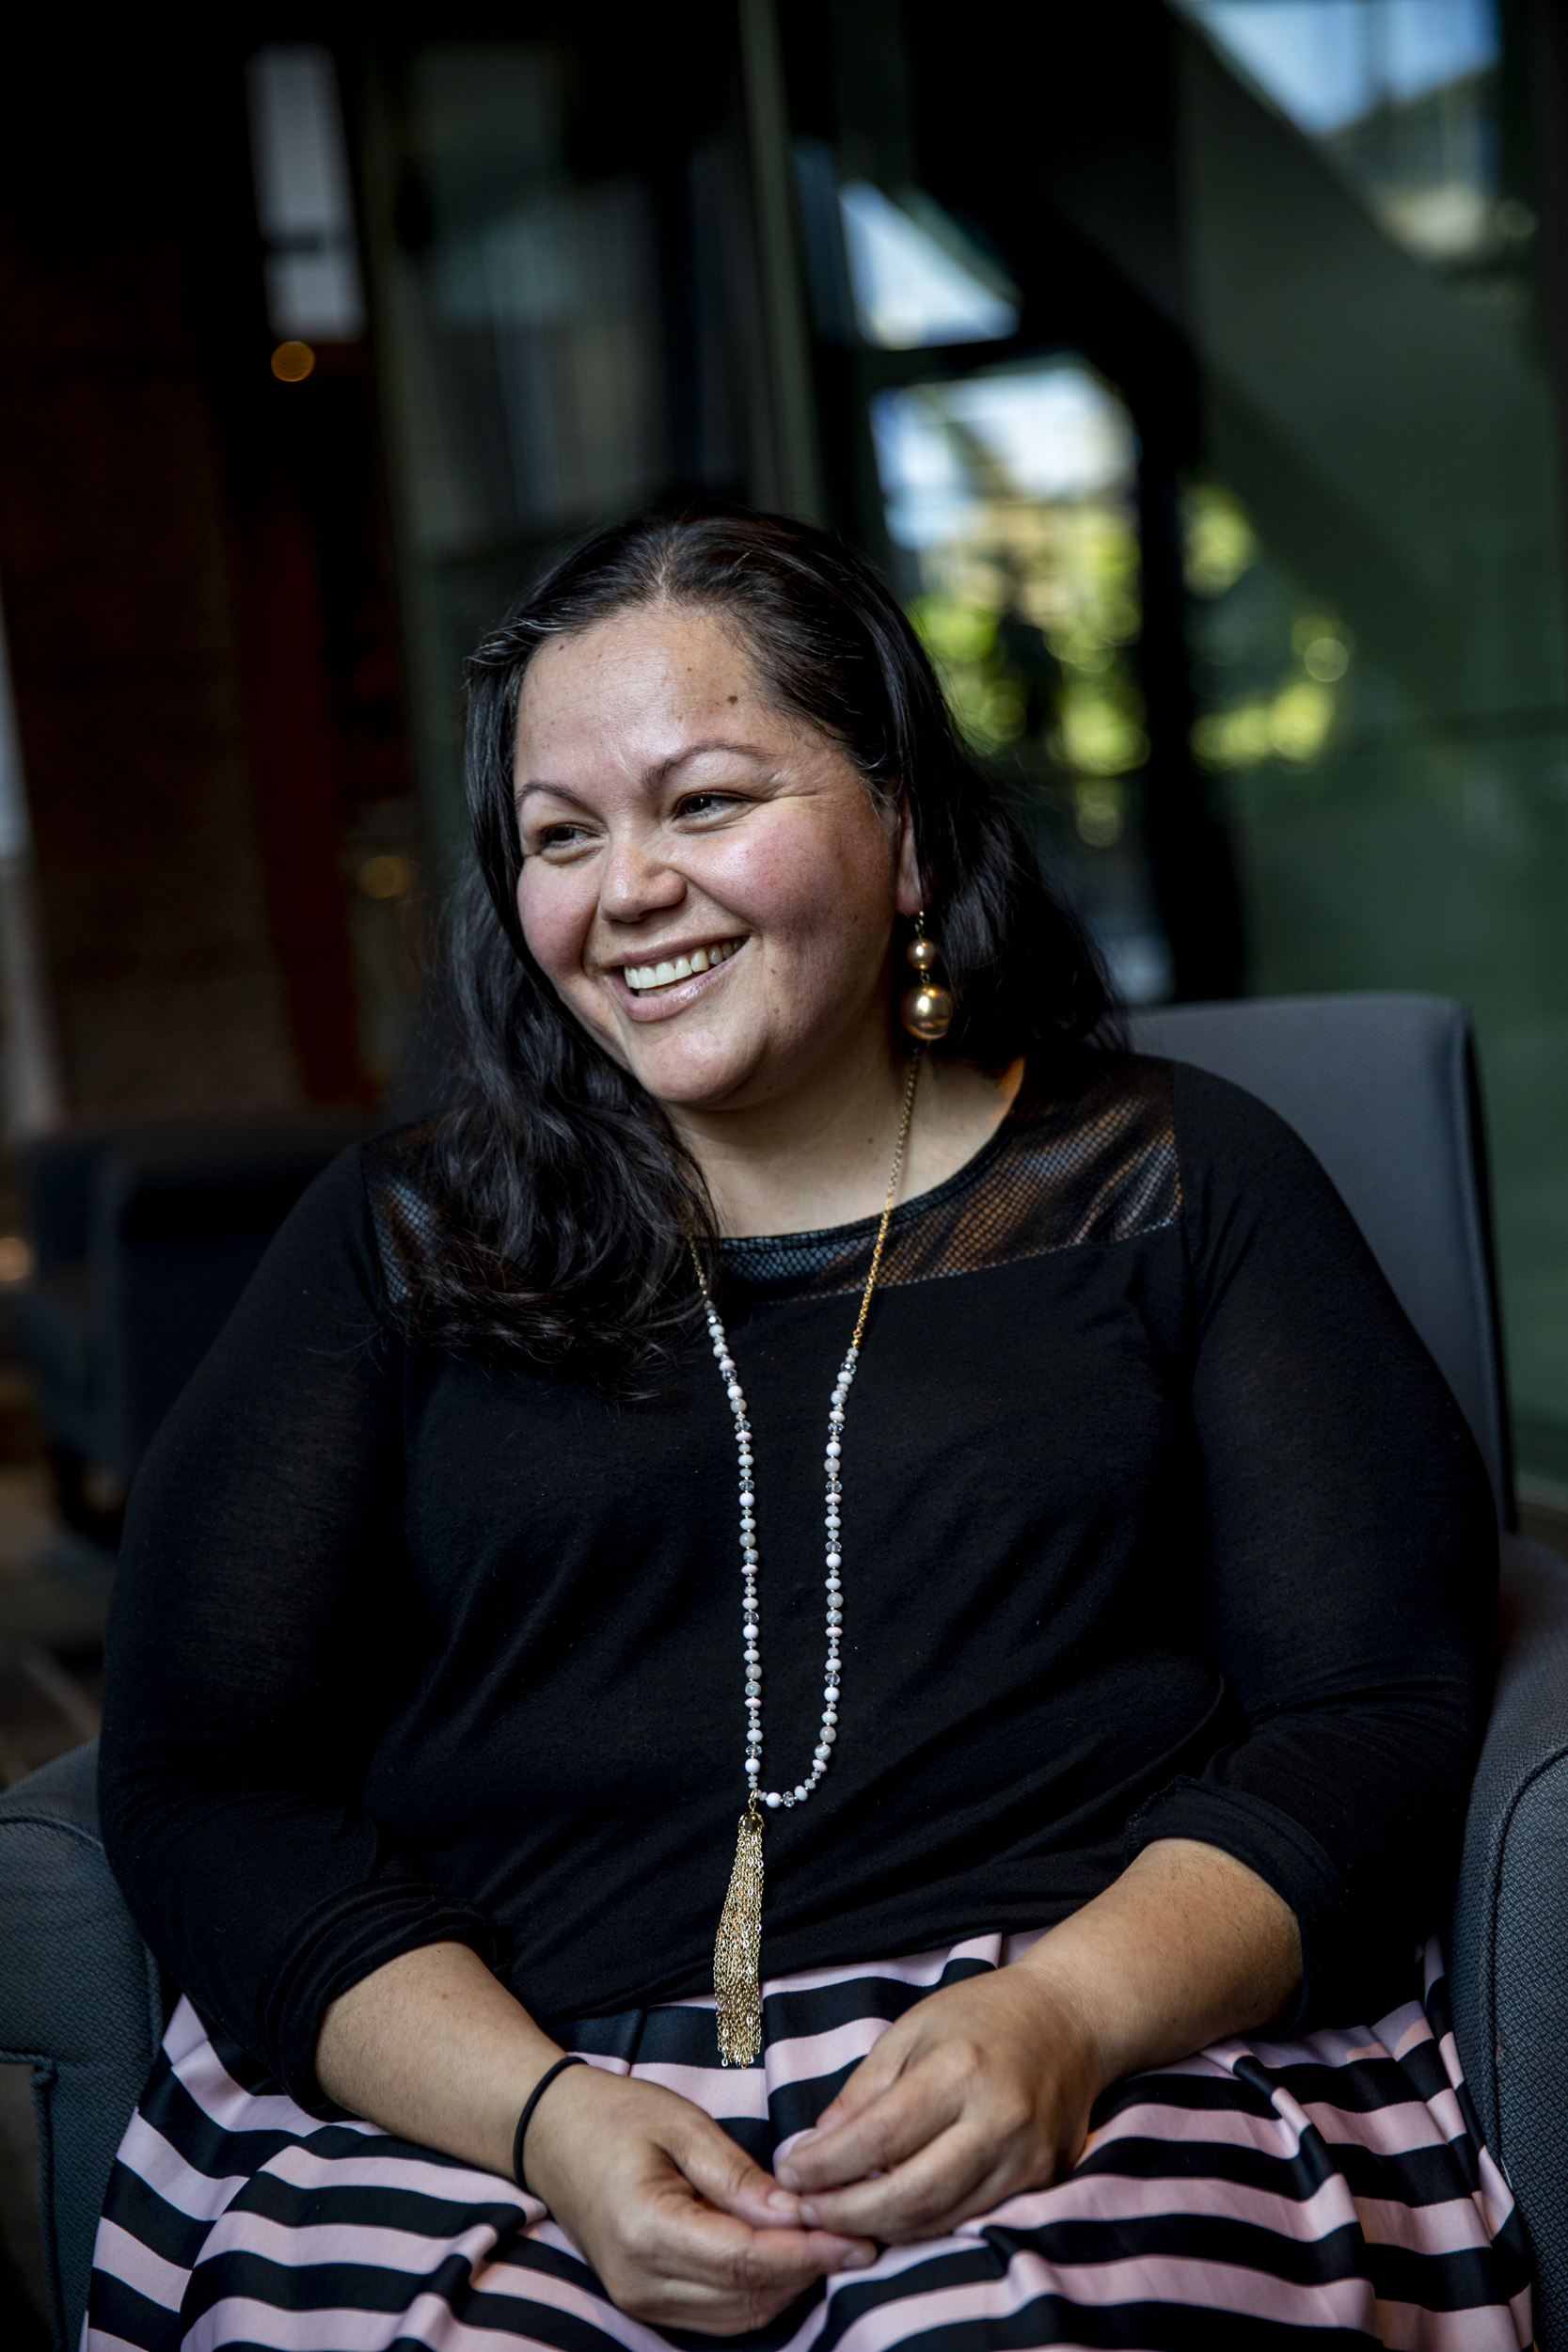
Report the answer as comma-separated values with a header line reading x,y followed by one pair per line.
x,y
640,978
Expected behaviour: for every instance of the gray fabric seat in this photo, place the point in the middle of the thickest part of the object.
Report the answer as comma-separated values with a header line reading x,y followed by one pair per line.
x,y
79,2002
1381,1089
1384,1089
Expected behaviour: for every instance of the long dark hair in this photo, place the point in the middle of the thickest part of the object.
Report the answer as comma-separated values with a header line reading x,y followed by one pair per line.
x,y
563,1204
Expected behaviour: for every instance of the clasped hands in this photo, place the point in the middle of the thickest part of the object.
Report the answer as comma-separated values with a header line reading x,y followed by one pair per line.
x,y
981,2091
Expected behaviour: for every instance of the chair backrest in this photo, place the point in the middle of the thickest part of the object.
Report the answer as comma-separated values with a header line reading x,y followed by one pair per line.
x,y
1382,1089
80,2002
182,1217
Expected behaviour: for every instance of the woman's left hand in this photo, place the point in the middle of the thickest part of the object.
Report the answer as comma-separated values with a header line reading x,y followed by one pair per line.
x,y
984,2089
981,2091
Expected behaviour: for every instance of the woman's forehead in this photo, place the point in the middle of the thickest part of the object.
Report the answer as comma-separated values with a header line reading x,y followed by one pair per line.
x,y
646,689
670,650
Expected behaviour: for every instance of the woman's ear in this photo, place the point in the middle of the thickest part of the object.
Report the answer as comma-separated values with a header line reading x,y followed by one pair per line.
x,y
909,890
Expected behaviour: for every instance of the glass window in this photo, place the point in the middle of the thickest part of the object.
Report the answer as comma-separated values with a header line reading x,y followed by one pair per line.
x,y
1295,241
1011,499
522,344
1375,565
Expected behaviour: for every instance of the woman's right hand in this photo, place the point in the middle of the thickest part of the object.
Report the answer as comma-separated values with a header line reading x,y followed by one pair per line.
x,y
681,2228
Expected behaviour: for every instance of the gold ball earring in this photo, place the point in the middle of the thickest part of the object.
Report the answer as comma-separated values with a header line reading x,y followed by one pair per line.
x,y
926,1010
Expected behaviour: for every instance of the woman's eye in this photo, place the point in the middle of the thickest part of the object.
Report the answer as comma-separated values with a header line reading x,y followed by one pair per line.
x,y
562,837
701,805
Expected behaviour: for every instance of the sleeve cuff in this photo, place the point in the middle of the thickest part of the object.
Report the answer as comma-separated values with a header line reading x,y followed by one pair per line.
x,y
1284,1855
334,1950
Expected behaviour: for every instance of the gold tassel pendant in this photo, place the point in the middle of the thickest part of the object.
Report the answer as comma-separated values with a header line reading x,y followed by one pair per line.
x,y
737,1950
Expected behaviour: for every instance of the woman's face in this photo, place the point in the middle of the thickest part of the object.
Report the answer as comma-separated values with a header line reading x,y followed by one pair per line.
x,y
706,878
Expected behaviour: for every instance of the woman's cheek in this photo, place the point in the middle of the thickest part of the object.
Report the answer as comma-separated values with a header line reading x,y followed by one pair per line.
x,y
555,919
786,876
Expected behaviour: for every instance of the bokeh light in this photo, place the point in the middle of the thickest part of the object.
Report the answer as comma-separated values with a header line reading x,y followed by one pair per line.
x,y
292,362
386,876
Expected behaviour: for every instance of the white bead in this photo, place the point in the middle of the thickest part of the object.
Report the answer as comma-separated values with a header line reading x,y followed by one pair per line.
x,y
835,1559
801,1794
833,1449
772,1800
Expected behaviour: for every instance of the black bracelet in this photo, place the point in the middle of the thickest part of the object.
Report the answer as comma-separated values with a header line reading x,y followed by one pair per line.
x,y
527,2115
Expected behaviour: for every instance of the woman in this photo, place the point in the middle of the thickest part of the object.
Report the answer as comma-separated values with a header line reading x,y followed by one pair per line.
x,y
1098,1633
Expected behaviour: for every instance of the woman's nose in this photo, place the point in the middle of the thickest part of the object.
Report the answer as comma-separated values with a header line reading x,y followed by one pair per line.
x,y
635,880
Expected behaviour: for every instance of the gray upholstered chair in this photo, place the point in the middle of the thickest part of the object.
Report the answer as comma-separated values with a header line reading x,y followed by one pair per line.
x,y
1383,1089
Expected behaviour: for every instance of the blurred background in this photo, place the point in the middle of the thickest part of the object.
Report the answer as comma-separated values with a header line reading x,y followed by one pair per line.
x,y
1198,370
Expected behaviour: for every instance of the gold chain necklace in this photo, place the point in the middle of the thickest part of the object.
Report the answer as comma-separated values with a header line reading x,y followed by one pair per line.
x,y
737,1979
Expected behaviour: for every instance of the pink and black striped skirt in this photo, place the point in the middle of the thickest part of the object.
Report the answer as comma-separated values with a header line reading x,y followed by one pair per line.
x,y
1260,2194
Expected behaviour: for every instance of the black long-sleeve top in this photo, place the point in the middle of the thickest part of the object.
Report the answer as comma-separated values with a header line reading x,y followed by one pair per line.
x,y
1158,1521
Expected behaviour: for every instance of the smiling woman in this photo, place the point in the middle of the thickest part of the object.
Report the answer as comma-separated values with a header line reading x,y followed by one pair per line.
x,y
980,1469
713,733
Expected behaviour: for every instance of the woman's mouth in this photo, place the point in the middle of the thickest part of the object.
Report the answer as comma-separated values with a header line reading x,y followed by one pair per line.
x,y
646,979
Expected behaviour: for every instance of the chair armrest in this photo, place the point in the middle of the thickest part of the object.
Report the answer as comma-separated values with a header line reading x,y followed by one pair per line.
x,y
1507,1951
80,2001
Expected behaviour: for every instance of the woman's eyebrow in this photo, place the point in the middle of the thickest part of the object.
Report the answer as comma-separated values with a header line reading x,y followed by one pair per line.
x,y
653,777
556,791
659,775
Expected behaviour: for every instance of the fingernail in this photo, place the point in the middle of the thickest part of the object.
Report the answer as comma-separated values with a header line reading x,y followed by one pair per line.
x,y
859,2258
779,2203
806,2138
790,2178
808,2215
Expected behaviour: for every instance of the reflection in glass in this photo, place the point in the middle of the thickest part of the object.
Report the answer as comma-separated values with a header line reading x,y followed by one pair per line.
x,y
917,280
522,349
303,201
1401,96
1012,495
537,376
1271,661
1375,567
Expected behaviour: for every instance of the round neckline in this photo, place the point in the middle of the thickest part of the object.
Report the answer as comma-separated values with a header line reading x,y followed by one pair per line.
x,y
860,1228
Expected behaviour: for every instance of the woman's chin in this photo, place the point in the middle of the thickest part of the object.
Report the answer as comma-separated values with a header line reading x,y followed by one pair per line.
x,y
695,1071
695,1082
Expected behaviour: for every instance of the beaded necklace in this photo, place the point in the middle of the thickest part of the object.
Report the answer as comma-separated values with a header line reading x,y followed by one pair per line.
x,y
736,1979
